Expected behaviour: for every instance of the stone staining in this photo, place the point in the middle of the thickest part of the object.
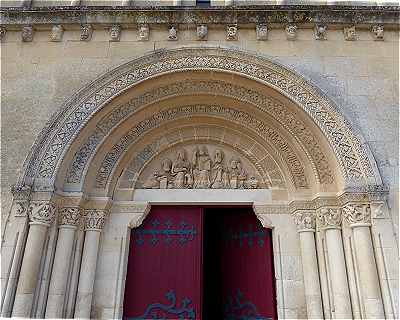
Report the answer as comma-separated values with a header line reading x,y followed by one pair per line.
x,y
172,33
320,32
144,32
231,32
202,172
115,33
262,32
27,33
3,32
350,33
86,32
57,32
291,32
377,32
202,32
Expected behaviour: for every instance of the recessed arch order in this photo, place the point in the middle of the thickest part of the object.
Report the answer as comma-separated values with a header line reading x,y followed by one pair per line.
x,y
301,124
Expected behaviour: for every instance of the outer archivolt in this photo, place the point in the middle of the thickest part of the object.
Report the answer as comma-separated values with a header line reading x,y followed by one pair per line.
x,y
55,140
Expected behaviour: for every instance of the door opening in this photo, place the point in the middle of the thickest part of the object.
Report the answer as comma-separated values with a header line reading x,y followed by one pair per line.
x,y
189,262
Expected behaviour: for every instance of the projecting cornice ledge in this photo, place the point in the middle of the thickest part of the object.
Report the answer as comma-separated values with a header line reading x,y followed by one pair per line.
x,y
277,14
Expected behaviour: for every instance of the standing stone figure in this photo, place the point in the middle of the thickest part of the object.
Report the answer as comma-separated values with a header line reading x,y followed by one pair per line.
x,y
220,179
181,171
202,166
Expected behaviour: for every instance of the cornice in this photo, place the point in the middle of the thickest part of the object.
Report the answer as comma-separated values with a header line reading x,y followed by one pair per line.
x,y
280,14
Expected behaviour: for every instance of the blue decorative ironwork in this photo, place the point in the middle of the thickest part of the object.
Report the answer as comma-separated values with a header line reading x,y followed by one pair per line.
x,y
259,234
183,234
162,311
236,309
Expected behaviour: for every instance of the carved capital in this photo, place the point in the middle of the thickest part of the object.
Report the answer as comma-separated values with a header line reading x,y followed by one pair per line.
x,y
21,192
304,220
95,219
356,214
69,216
42,212
329,218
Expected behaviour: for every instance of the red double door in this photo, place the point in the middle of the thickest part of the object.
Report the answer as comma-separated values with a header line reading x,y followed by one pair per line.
x,y
200,263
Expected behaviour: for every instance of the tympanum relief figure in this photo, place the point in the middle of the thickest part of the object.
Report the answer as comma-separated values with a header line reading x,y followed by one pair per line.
x,y
202,172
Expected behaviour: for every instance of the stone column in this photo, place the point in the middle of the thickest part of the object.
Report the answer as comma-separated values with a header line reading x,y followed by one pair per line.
x,y
68,222
329,220
94,222
305,221
41,215
358,216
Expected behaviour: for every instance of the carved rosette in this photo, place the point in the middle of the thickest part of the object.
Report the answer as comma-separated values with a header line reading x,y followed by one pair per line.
x,y
357,214
42,212
69,216
95,219
329,218
304,220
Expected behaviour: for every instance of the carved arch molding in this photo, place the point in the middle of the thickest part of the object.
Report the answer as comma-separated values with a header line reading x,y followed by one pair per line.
x,y
355,162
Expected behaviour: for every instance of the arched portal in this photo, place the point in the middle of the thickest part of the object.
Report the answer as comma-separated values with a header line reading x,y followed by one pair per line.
x,y
195,126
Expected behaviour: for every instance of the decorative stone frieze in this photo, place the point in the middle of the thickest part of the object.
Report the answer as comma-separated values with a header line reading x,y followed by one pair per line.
x,y
42,212
172,33
86,32
262,32
57,32
95,219
304,220
27,33
329,218
356,214
21,192
3,32
115,33
291,32
69,216
320,31
202,32
378,32
232,32
143,32
350,33
201,171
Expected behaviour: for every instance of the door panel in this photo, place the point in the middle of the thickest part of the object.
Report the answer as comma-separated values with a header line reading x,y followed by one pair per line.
x,y
248,284
164,273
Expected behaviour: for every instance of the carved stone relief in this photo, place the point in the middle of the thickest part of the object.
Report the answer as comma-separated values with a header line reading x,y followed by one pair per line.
x,y
115,33
304,220
378,32
56,138
3,32
291,32
329,218
27,33
172,33
231,32
350,33
86,32
262,32
69,216
95,219
320,31
42,212
357,213
201,167
57,32
202,32
143,32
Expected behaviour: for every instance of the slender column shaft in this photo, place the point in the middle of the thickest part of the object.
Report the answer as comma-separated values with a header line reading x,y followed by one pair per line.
x,y
368,273
305,221
94,223
58,282
42,216
310,274
29,271
337,268
358,216
87,275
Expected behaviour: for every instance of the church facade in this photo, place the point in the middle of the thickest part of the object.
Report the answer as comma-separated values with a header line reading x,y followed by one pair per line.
x,y
199,159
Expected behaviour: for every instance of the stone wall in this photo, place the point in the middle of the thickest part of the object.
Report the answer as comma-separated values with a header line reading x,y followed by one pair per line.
x,y
39,76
